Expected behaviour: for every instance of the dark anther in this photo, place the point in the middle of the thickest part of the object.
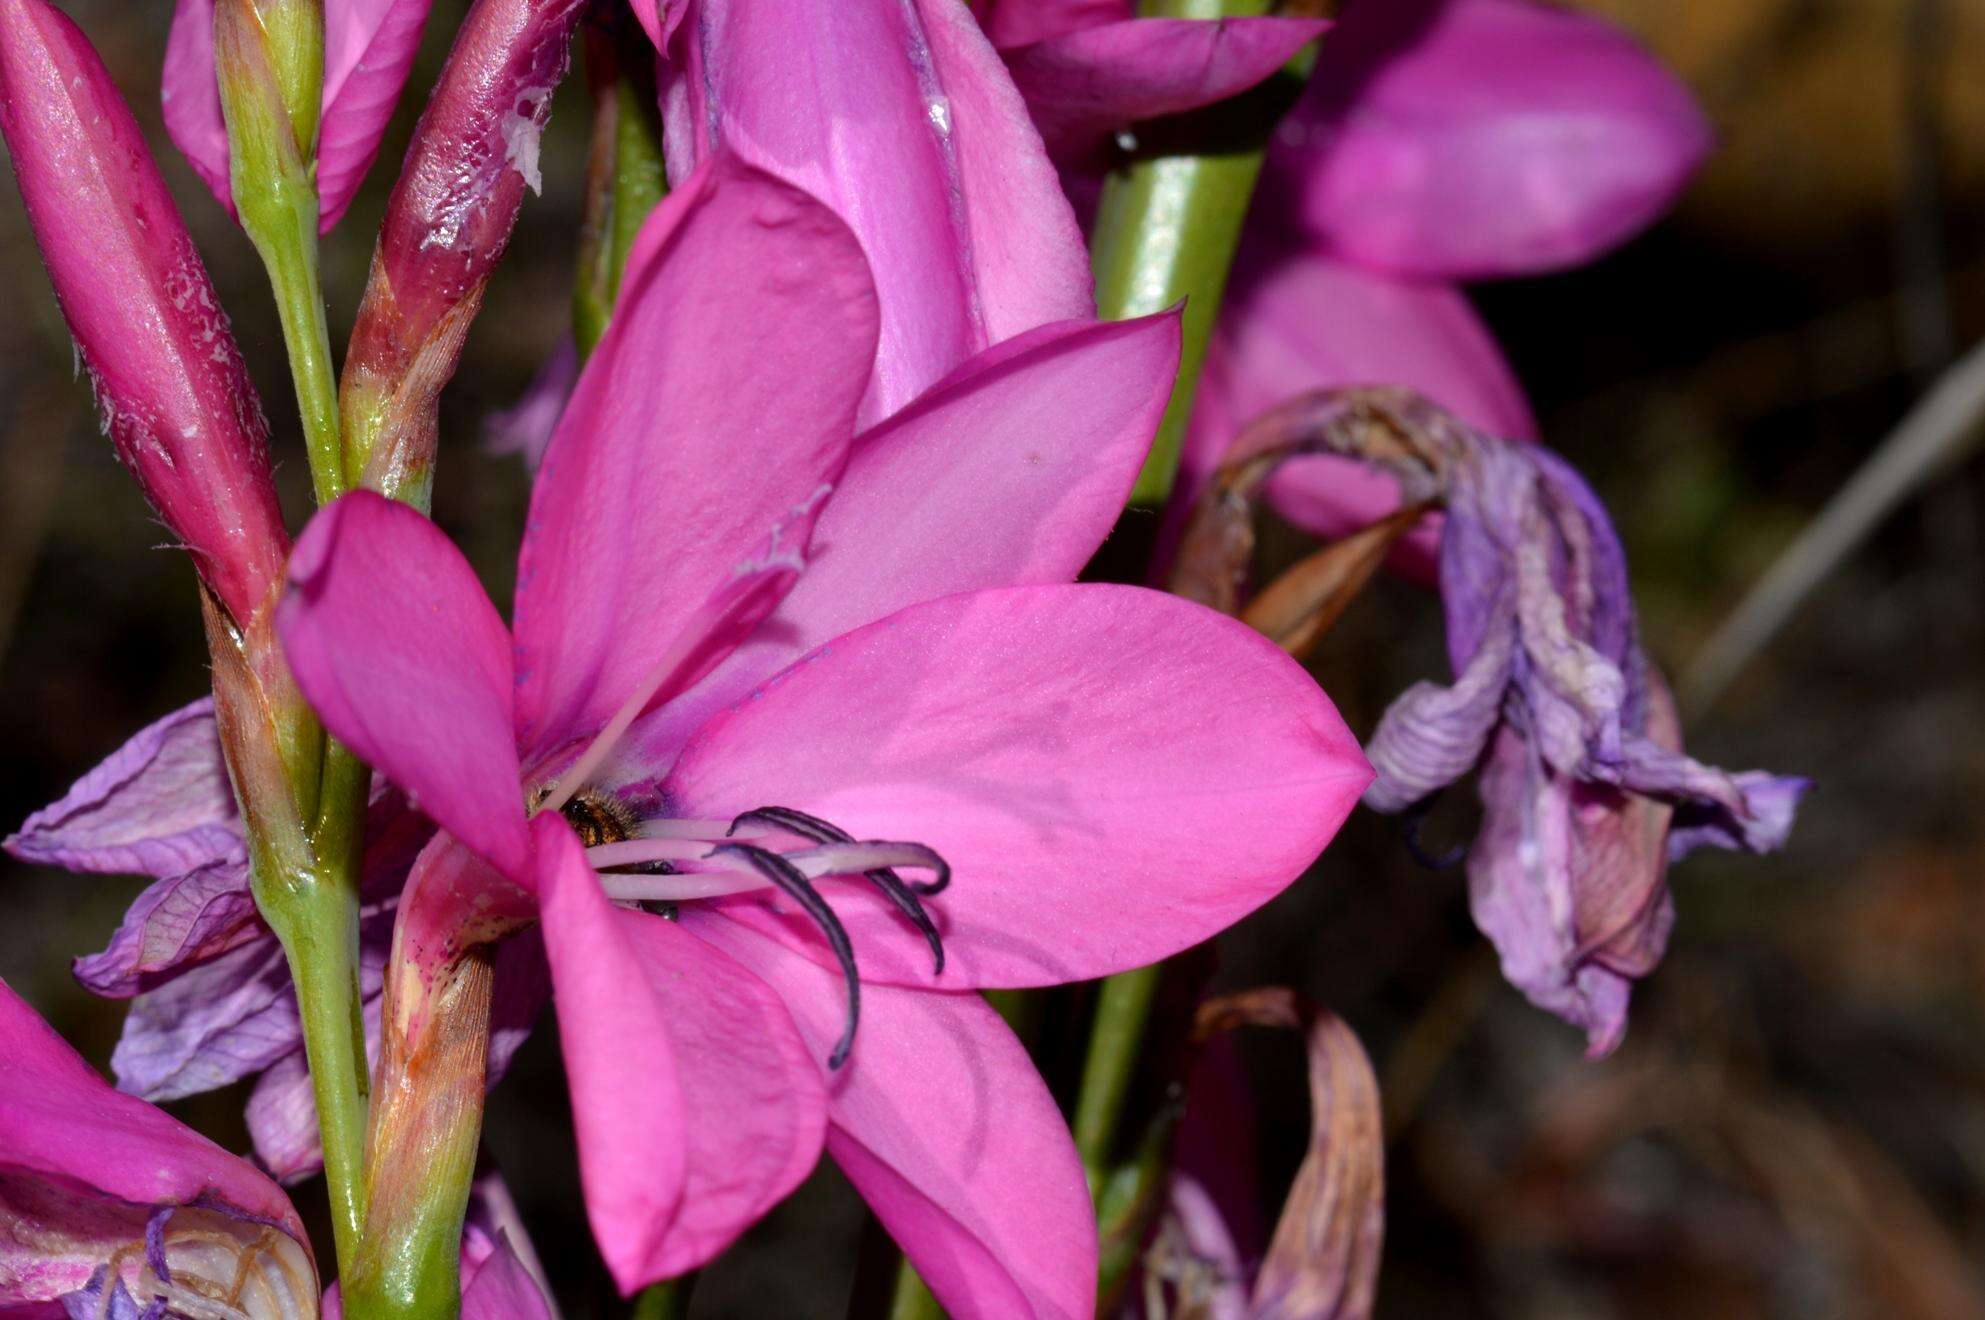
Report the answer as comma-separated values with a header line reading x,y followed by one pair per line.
x,y
1410,822
797,887
893,886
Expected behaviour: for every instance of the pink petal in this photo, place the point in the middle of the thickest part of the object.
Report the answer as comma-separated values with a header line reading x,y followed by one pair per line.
x,y
160,805
369,48
1458,139
191,98
1112,773
77,1151
942,1124
697,1105
1012,470
398,649
903,101
1295,321
1017,22
721,400
1090,83
503,1289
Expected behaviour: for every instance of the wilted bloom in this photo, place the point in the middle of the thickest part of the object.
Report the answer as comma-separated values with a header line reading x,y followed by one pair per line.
x,y
759,664
369,48
112,1208
447,223
170,384
899,99
1585,791
210,991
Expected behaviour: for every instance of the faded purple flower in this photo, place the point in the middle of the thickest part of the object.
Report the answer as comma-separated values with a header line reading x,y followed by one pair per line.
x,y
1586,791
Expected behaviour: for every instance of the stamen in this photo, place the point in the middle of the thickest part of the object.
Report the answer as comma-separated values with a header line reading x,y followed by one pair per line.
x,y
680,888
797,887
632,852
882,877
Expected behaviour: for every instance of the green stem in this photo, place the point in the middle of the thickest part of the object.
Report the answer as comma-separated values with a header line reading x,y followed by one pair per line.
x,y
1170,221
281,220
626,179
912,1300
667,1300
1122,1009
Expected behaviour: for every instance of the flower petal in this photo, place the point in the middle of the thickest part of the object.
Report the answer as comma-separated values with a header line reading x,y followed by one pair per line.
x,y
180,920
942,1124
160,805
1084,85
905,100
696,1104
504,1290
525,427
1112,773
220,1022
369,48
1017,22
398,649
1012,470
1295,321
1458,139
83,1167
720,401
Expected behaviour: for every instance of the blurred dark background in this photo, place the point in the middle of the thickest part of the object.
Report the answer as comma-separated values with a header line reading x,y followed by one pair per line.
x,y
1796,1124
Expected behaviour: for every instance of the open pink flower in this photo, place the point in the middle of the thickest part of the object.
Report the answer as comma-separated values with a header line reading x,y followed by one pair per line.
x,y
693,715
369,48
109,1205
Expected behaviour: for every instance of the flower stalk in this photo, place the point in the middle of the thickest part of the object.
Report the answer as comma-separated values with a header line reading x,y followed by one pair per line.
x,y
1170,221
625,176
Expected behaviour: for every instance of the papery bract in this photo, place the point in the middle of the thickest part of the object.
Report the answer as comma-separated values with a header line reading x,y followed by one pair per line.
x,y
681,664
175,398
101,1193
369,48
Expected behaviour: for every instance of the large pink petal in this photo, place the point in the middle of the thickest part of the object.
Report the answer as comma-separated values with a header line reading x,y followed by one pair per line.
x,y
1112,773
1087,84
1011,471
369,48
697,1105
399,651
942,1124
899,116
719,404
1457,139
1296,321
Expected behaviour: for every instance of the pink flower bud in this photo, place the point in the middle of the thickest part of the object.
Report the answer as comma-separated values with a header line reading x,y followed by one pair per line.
x,y
446,226
169,380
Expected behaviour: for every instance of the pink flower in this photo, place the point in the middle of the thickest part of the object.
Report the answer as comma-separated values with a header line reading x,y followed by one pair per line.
x,y
1437,141
175,398
765,667
111,1204
369,48
903,100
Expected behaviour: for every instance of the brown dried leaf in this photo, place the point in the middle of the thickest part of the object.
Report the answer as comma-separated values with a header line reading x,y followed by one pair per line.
x,y
1323,1261
1299,607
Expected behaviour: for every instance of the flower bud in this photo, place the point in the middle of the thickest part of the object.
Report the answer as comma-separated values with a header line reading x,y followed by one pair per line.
x,y
447,224
269,60
175,397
